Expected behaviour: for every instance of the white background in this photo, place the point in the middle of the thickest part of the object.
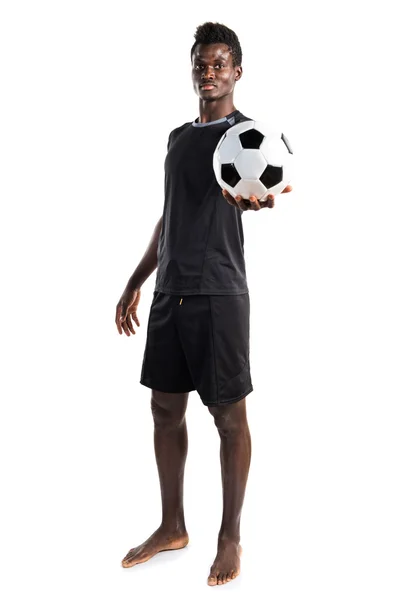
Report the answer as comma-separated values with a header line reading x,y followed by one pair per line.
x,y
90,92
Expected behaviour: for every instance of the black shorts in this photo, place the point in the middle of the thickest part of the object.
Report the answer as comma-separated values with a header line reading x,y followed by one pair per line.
x,y
199,343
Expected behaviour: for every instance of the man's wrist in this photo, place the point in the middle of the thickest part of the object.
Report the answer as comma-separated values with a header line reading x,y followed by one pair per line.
x,y
134,283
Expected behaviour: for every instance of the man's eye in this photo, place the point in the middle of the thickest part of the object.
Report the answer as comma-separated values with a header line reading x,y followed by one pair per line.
x,y
219,65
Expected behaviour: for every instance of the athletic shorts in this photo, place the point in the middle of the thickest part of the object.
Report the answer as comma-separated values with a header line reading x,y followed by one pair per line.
x,y
199,343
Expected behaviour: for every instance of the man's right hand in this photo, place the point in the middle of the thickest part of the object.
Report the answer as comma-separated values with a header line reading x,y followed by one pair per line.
x,y
127,309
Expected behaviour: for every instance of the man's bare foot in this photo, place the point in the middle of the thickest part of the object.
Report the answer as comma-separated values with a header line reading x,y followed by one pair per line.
x,y
226,565
160,540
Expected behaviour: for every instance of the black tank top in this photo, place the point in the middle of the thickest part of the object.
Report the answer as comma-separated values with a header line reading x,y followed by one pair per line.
x,y
201,245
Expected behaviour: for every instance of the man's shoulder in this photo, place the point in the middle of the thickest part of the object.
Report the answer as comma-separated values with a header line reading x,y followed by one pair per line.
x,y
181,127
176,132
240,117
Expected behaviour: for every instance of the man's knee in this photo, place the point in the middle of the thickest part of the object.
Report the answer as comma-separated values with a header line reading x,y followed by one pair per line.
x,y
230,418
168,410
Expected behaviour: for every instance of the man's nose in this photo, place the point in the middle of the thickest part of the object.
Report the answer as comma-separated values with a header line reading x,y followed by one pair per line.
x,y
208,72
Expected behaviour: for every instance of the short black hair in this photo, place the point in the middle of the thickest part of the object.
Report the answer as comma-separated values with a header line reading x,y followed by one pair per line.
x,y
216,33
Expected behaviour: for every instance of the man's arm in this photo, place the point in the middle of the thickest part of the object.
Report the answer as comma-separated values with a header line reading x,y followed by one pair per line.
x,y
126,308
149,261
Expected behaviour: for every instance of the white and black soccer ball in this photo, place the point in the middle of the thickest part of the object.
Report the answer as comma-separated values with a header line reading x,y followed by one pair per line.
x,y
253,158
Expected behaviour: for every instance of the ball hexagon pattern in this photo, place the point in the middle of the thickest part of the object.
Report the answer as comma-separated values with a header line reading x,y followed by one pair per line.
x,y
253,158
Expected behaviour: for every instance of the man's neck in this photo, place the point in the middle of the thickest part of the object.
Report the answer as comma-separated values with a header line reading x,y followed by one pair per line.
x,y
211,111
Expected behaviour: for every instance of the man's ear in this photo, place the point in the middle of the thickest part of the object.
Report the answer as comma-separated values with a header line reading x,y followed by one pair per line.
x,y
238,73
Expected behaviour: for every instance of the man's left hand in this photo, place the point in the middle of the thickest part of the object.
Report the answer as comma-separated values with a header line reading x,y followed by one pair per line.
x,y
253,203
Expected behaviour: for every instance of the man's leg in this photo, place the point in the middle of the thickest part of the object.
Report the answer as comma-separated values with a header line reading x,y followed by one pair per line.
x,y
235,457
171,442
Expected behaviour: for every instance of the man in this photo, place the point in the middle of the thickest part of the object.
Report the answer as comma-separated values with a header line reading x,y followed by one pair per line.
x,y
198,328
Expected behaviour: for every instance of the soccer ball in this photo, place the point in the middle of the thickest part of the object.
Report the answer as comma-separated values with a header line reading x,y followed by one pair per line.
x,y
253,158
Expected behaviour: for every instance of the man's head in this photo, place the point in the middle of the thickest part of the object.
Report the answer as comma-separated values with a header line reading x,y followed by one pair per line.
x,y
216,58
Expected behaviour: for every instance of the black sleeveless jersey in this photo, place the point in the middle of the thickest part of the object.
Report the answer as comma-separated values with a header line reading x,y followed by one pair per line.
x,y
201,245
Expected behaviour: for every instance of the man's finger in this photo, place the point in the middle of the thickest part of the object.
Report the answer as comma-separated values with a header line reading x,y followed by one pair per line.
x,y
123,312
288,188
241,203
271,201
130,324
118,319
125,327
229,198
254,203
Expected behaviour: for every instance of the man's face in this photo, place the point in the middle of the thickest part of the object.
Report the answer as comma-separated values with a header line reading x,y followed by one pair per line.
x,y
213,74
